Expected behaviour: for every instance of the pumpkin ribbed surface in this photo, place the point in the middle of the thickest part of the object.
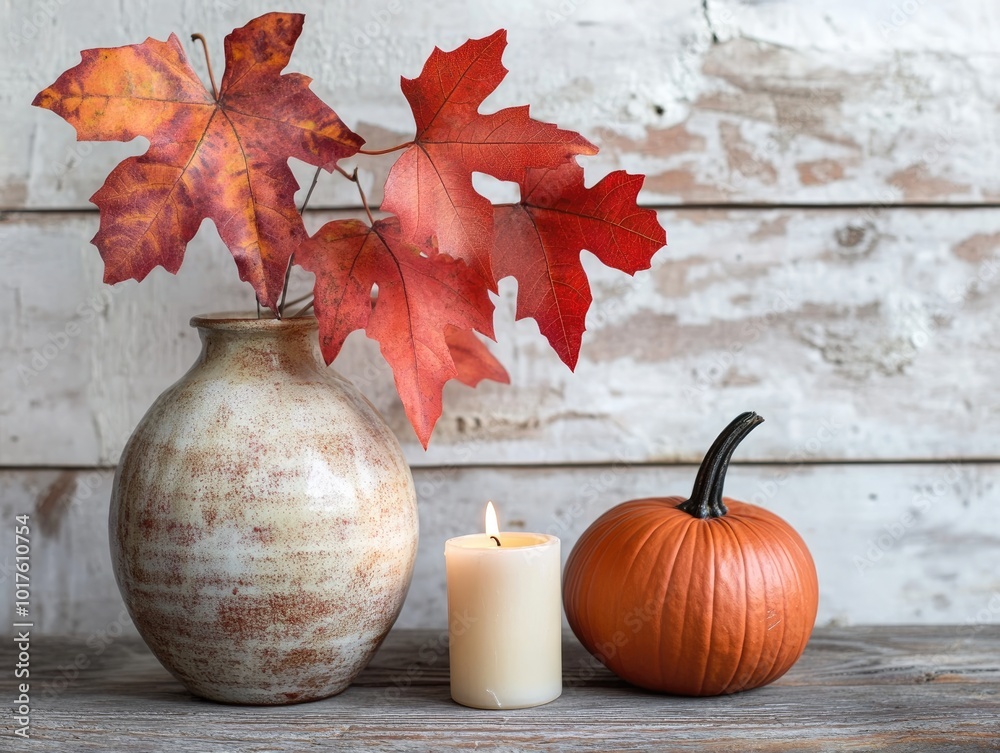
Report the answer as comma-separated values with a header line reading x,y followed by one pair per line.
x,y
688,605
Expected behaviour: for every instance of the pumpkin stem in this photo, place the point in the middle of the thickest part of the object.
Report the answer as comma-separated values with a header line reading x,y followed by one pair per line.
x,y
706,497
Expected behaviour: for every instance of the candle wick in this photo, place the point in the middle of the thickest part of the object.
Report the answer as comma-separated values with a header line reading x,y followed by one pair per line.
x,y
496,540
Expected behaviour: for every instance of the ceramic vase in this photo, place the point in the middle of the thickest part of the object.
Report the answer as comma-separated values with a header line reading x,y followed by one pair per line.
x,y
263,519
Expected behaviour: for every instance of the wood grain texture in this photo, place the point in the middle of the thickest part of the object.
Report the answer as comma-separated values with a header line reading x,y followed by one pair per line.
x,y
892,543
864,101
835,325
896,689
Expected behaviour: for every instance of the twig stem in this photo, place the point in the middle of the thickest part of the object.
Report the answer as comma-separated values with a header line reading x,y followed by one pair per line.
x,y
291,256
208,62
303,310
361,192
375,152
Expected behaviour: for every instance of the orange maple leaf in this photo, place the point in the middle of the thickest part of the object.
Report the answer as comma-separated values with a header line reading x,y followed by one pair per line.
x,y
224,158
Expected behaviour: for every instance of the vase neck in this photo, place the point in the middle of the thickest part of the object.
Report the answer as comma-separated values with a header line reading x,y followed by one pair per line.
x,y
258,345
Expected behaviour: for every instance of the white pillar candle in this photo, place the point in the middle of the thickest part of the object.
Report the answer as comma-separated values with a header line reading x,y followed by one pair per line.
x,y
504,618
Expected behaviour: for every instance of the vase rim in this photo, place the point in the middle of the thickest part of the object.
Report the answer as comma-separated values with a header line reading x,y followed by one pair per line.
x,y
247,321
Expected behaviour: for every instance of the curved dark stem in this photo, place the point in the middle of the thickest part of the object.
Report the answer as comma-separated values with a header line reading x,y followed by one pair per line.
x,y
208,62
706,497
374,152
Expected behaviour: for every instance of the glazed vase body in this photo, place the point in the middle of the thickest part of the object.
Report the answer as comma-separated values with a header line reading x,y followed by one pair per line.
x,y
263,520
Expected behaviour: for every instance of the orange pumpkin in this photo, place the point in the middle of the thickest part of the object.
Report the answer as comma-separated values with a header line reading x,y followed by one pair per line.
x,y
699,597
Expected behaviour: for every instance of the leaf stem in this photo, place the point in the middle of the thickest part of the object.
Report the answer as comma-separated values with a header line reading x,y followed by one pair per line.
x,y
291,256
299,300
364,200
303,310
309,193
284,286
376,152
208,62
361,192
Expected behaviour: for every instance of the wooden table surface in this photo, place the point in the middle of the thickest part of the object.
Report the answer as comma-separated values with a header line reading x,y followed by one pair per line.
x,y
862,688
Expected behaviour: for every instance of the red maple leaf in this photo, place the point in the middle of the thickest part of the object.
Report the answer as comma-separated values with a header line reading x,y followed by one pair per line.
x,y
224,158
473,359
422,295
539,241
430,186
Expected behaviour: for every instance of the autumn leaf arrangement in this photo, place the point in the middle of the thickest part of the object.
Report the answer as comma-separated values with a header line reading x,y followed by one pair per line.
x,y
418,279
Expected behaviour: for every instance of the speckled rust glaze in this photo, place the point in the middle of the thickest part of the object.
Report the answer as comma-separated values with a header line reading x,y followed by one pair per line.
x,y
263,519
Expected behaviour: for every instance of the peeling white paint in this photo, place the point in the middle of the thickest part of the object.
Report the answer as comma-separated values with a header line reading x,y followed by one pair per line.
x,y
899,544
623,74
802,315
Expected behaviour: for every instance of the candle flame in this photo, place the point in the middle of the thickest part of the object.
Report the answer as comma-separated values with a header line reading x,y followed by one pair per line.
x,y
492,527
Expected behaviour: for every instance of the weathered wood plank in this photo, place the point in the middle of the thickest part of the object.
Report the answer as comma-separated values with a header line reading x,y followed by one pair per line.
x,y
838,656
858,335
892,543
717,101
846,693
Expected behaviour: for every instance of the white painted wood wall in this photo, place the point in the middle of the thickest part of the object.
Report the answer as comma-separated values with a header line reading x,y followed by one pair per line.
x,y
829,177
